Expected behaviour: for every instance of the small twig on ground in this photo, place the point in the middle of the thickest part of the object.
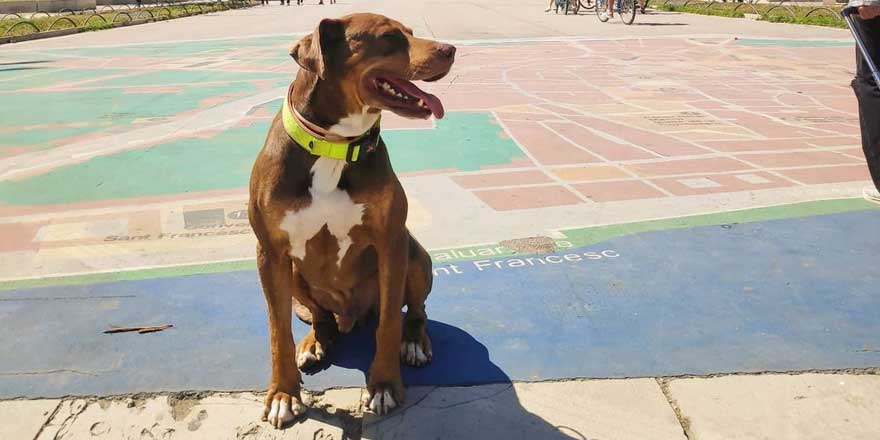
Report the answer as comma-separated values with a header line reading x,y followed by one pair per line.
x,y
139,329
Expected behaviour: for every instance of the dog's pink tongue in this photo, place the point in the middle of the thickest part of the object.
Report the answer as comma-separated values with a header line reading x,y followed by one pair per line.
x,y
431,101
434,104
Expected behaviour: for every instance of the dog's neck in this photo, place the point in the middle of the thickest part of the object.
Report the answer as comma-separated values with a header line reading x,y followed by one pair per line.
x,y
322,106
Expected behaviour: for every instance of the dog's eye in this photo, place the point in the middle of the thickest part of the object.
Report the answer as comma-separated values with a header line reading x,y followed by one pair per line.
x,y
394,40
392,36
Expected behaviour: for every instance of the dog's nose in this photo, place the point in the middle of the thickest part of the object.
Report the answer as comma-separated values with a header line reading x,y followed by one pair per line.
x,y
447,50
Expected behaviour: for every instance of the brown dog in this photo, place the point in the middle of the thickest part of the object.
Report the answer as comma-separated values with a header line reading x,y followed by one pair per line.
x,y
330,224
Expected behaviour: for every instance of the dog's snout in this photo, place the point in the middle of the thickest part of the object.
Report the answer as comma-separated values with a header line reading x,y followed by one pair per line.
x,y
447,50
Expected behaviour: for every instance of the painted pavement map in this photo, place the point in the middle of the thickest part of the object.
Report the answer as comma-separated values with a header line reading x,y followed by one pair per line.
x,y
679,220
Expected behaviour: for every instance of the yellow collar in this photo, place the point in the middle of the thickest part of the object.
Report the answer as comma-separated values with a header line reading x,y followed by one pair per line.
x,y
347,150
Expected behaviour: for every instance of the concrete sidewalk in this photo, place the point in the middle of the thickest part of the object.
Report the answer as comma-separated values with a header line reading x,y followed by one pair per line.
x,y
765,406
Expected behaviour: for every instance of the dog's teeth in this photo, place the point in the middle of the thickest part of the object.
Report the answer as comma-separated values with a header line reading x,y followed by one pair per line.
x,y
421,103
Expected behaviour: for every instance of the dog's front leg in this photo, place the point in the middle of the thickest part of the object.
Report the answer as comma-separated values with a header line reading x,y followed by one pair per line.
x,y
385,387
283,402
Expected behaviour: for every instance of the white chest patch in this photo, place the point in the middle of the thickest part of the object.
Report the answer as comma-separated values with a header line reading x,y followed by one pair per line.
x,y
355,124
330,206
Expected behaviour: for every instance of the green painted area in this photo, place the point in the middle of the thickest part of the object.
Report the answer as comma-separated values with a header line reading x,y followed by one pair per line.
x,y
177,167
574,238
202,48
41,77
466,141
189,77
793,43
110,106
87,111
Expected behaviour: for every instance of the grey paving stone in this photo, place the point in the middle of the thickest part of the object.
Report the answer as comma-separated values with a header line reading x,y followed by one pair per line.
x,y
22,419
780,407
601,409
220,416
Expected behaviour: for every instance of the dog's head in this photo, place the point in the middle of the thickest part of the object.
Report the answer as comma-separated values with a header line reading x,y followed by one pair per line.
x,y
374,61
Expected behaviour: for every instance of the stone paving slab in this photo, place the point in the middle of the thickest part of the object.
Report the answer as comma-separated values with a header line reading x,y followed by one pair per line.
x,y
22,419
219,416
779,407
604,409
771,406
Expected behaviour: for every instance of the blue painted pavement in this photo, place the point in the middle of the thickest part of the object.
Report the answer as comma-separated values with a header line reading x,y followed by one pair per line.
x,y
779,295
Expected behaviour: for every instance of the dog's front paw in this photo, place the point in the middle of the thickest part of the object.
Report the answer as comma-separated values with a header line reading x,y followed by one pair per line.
x,y
281,408
415,353
415,349
382,398
309,353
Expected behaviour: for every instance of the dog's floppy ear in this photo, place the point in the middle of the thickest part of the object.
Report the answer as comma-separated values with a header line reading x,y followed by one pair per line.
x,y
314,51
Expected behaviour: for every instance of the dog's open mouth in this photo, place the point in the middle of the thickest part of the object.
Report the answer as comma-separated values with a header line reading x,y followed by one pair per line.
x,y
406,99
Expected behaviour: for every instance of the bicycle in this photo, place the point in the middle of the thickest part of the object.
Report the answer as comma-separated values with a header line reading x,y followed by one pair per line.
x,y
626,10
574,6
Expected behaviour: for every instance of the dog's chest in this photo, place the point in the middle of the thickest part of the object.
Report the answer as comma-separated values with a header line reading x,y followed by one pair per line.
x,y
330,207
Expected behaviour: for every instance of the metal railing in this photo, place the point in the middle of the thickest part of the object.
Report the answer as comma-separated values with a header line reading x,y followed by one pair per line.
x,y
794,10
121,14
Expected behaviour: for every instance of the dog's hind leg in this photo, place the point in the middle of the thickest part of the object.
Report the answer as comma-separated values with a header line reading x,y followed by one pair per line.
x,y
415,348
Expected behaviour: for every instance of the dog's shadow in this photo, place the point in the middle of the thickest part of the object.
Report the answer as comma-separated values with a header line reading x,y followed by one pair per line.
x,y
492,411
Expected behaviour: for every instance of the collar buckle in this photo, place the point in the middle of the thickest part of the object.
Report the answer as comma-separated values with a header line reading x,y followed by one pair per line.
x,y
365,144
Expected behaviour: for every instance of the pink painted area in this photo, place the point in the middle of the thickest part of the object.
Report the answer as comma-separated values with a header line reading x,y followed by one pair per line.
x,y
758,145
590,172
834,141
706,104
527,198
519,162
727,183
18,236
851,129
688,166
795,99
617,191
658,143
501,179
429,172
546,146
765,126
835,174
578,97
844,103
855,152
535,117
799,159
483,99
599,145
558,109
